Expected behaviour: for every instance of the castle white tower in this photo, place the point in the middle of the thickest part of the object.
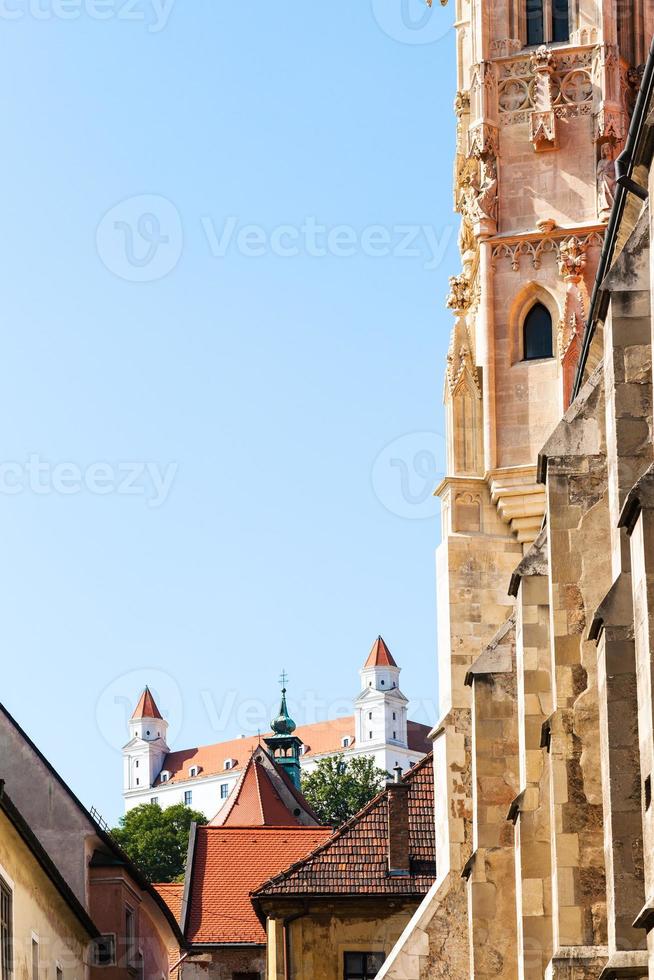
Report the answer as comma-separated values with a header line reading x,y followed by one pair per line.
x,y
381,708
144,754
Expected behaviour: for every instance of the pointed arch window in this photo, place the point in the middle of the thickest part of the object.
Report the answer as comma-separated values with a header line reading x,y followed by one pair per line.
x,y
535,22
537,334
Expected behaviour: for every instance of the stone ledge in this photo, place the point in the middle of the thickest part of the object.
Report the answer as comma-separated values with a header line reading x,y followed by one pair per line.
x,y
627,963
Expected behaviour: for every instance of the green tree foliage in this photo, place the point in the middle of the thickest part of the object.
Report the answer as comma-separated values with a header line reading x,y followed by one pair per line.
x,y
156,840
337,788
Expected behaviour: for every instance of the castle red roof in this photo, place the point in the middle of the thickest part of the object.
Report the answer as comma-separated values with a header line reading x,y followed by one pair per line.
x,y
321,738
354,861
146,708
380,655
228,864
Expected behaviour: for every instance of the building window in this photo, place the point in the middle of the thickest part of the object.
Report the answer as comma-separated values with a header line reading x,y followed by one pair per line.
x,y
362,966
535,22
560,20
6,938
59,973
370,735
188,797
394,736
165,776
382,683
137,781
35,959
130,936
154,799
345,742
370,715
193,771
537,333
394,716
224,791
104,951
136,764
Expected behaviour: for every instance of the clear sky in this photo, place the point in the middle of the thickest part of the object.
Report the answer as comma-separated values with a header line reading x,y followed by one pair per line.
x,y
226,232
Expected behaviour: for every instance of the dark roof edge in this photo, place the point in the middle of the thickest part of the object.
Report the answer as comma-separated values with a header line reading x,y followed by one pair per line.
x,y
626,184
188,876
30,839
106,838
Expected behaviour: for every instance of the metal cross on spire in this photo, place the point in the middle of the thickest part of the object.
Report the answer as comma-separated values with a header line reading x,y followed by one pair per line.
x,y
283,679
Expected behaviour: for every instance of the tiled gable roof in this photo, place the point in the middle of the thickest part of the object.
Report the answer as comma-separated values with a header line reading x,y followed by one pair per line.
x,y
265,796
354,861
229,863
320,738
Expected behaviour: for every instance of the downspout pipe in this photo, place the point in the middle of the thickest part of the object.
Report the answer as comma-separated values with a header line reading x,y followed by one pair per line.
x,y
626,185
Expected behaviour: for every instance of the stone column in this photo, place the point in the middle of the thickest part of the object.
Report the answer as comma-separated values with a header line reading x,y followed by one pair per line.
x,y
530,810
574,466
490,871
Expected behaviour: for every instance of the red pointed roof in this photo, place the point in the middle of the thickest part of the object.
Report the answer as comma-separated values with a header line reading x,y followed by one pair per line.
x,y
146,708
256,802
380,655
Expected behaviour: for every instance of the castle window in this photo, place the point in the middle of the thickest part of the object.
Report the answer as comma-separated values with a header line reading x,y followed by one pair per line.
x,y
382,683
548,21
394,736
188,797
370,716
193,771
104,951
394,716
345,742
229,763
370,735
136,764
154,799
165,776
537,333
362,966
224,791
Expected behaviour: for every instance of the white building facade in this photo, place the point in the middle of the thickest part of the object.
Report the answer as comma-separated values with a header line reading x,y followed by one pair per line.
x,y
204,777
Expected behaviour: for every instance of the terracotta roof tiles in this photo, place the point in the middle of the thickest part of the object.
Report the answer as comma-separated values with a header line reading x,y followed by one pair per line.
x,y
231,862
354,861
172,895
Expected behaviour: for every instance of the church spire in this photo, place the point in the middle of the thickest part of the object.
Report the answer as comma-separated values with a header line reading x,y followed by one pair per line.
x,y
284,745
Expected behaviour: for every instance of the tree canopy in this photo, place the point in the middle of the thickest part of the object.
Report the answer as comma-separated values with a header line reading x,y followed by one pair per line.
x,y
338,787
156,840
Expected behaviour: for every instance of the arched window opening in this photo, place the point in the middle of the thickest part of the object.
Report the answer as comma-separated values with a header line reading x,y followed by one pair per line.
x,y
535,22
537,334
560,20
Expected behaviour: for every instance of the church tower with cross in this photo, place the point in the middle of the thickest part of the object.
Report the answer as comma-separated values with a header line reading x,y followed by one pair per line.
x,y
283,744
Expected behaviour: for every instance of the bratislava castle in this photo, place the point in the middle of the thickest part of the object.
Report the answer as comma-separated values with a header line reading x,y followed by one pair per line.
x,y
204,777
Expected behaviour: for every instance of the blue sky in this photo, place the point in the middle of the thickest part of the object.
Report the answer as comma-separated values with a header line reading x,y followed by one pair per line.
x,y
226,236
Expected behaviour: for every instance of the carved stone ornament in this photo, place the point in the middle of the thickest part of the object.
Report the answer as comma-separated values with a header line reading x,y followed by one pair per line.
x,y
542,120
460,295
606,182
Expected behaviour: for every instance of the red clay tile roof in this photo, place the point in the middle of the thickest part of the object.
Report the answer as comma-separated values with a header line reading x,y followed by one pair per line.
x,y
231,862
146,708
172,896
380,655
354,861
321,738
255,802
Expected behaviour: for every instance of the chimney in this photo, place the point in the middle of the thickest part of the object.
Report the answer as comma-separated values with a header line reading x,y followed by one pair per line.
x,y
397,793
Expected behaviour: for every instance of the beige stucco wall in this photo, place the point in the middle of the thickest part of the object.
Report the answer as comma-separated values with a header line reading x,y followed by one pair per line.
x,y
39,912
